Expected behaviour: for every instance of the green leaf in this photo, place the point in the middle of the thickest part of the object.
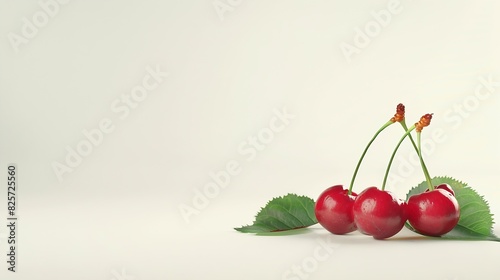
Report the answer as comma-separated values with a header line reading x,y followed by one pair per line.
x,y
476,220
283,213
462,233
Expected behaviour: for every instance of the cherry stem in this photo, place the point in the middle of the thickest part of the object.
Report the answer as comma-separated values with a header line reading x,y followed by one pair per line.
x,y
424,168
408,131
364,153
403,124
422,163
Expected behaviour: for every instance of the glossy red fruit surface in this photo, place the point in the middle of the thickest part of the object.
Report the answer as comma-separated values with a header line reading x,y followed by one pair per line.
x,y
447,188
333,210
378,213
435,212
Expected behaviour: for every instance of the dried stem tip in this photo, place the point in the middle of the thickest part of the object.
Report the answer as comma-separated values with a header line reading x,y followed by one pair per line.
x,y
424,121
400,113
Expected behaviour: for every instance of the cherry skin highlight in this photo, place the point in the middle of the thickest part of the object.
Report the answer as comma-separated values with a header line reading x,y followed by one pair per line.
x,y
447,188
435,212
333,210
378,213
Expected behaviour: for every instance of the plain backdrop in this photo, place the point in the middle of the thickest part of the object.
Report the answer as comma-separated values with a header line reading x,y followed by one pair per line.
x,y
123,115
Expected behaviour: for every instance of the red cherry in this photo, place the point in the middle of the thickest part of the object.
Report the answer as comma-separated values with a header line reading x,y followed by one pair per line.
x,y
435,212
333,210
379,213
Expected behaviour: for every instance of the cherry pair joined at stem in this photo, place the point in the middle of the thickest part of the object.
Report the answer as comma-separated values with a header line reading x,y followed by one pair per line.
x,y
334,207
436,211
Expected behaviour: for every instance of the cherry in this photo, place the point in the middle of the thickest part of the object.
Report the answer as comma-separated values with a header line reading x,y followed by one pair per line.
x,y
379,213
434,212
333,210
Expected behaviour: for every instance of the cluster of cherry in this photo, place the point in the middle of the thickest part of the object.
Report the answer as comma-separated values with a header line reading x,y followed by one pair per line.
x,y
378,212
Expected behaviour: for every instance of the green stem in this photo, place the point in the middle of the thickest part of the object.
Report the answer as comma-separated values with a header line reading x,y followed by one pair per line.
x,y
403,124
408,131
424,168
422,163
364,153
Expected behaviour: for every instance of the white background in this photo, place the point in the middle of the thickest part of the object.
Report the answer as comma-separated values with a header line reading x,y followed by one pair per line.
x,y
64,68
